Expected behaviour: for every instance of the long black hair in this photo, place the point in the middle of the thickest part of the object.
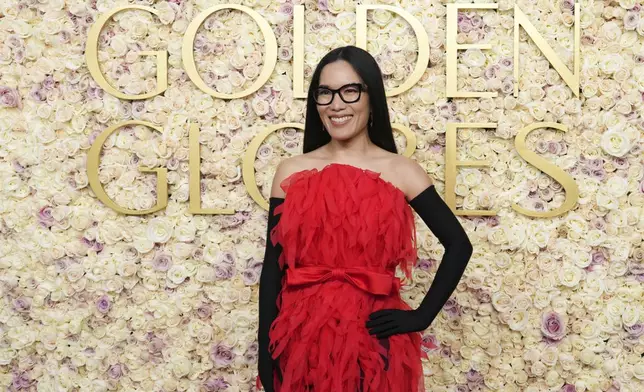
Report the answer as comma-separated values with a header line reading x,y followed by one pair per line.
x,y
380,133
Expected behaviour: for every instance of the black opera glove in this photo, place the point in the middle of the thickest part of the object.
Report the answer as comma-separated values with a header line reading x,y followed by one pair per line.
x,y
386,322
442,222
270,285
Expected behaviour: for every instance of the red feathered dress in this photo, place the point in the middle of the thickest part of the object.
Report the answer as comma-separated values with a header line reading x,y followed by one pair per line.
x,y
343,231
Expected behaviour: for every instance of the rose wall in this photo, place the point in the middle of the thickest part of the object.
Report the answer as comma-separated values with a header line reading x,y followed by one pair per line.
x,y
93,300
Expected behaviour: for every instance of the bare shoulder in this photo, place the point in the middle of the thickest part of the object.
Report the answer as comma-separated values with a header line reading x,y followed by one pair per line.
x,y
284,169
414,178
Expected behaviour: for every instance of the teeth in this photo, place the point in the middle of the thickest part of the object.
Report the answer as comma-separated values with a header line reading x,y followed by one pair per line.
x,y
340,119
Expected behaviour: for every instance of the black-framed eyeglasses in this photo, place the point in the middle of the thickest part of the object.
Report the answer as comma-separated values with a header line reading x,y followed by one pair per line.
x,y
349,93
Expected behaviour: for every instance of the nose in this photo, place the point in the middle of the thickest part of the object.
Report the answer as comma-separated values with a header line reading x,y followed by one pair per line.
x,y
337,103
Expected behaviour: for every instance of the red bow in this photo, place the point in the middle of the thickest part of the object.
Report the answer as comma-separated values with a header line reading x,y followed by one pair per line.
x,y
369,281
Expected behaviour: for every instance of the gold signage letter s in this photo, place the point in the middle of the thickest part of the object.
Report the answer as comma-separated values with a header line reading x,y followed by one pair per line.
x,y
419,31
451,163
93,158
453,47
270,57
572,191
91,56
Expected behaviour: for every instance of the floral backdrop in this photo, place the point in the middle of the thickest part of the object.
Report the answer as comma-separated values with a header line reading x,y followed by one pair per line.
x,y
93,300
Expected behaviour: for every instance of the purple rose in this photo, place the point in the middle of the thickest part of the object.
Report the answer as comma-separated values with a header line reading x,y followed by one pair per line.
x,y
250,277
636,330
598,258
224,271
162,262
45,218
631,20
567,6
552,326
599,174
22,304
222,355
10,98
465,25
286,9
636,268
474,376
228,258
506,62
215,385
568,388
156,346
483,296
115,372
425,264
21,380
204,311
253,348
103,304
323,5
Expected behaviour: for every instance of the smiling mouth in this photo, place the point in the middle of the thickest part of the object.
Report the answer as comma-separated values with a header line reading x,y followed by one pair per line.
x,y
340,120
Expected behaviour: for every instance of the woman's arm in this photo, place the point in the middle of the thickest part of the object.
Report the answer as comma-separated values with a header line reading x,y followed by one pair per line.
x,y
270,285
270,280
442,222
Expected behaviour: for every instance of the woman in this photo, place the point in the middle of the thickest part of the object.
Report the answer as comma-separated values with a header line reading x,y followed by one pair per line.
x,y
340,222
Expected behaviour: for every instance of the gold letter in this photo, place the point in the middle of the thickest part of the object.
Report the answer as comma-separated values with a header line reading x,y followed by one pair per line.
x,y
91,56
248,167
194,163
298,52
453,47
93,158
572,80
270,59
421,36
451,163
572,191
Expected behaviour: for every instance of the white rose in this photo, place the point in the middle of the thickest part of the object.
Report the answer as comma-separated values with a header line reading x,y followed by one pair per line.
x,y
610,63
630,315
159,230
549,356
627,4
569,276
617,186
346,20
336,6
501,302
593,238
588,357
606,200
474,58
638,371
177,273
181,366
615,143
518,320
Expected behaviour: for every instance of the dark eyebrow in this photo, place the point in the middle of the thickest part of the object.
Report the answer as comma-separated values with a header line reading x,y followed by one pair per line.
x,y
347,84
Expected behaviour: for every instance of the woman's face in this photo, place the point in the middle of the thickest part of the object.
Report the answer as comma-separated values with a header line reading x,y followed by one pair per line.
x,y
341,119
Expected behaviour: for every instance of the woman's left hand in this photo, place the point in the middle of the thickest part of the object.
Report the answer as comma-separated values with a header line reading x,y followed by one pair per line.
x,y
386,322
